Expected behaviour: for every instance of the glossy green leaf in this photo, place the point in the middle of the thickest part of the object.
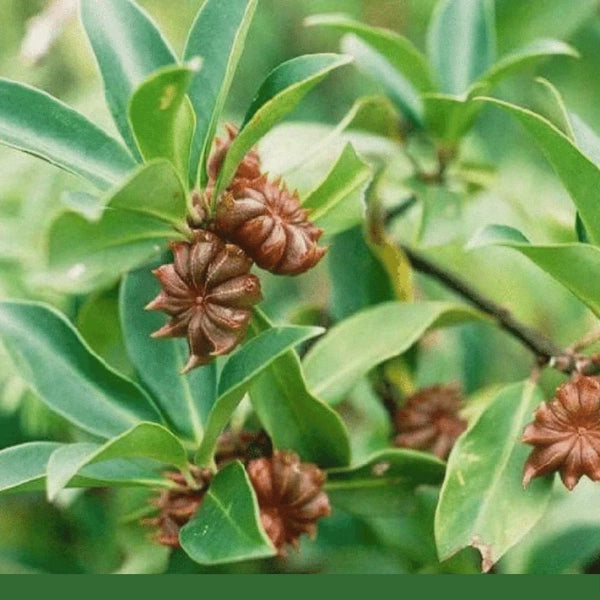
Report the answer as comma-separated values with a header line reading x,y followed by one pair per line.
x,y
280,93
573,265
139,220
523,57
337,204
128,47
483,503
380,484
161,115
23,467
449,118
292,416
226,528
548,102
353,347
240,371
400,91
50,355
396,49
185,401
217,35
84,204
579,175
586,138
37,123
461,42
146,440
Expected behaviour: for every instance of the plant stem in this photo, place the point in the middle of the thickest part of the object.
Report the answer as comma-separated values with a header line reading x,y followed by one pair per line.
x,y
546,352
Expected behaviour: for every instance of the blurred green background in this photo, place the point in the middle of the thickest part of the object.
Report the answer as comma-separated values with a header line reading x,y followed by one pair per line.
x,y
80,533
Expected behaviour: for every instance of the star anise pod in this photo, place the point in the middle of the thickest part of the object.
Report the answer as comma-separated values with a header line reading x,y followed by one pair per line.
x,y
249,168
290,497
266,220
429,420
565,434
208,293
177,506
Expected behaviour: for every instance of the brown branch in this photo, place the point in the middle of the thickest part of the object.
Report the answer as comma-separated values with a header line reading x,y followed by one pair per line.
x,y
544,349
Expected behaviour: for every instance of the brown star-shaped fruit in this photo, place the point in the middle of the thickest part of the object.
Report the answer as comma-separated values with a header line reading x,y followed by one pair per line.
x,y
566,434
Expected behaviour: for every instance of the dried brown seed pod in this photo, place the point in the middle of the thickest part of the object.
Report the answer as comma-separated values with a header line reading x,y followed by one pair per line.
x,y
177,506
290,496
208,293
565,434
266,220
429,420
249,168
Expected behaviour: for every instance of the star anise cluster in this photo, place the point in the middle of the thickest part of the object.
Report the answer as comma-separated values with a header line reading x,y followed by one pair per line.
x,y
565,434
208,291
429,420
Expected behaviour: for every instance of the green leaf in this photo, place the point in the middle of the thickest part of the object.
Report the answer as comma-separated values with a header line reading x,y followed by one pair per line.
x,y
353,347
279,94
185,401
23,467
138,221
128,47
399,51
240,371
50,355
161,115
449,118
523,57
37,123
217,35
579,175
379,485
337,204
226,528
461,42
146,440
400,91
482,502
572,265
292,416
548,103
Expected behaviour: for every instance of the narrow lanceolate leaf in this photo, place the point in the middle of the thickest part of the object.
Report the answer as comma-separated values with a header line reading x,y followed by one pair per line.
x,y
396,49
185,401
483,503
292,416
523,57
161,116
226,528
338,203
279,94
400,91
379,484
579,175
128,47
461,42
218,36
23,467
575,266
146,440
353,347
69,378
37,123
240,371
139,219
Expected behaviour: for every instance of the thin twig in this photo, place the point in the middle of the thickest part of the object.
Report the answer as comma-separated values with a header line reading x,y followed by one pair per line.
x,y
546,352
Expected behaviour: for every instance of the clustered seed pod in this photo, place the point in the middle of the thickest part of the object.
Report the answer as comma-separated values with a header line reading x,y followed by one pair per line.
x,y
208,293
266,220
177,506
290,497
565,434
429,420
249,168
